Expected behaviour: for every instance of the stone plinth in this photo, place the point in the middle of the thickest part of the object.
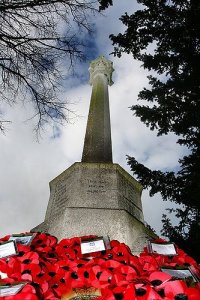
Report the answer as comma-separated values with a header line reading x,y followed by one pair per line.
x,y
96,198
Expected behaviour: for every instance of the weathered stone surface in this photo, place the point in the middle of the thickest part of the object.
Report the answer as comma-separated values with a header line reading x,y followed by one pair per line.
x,y
98,145
94,185
117,224
100,199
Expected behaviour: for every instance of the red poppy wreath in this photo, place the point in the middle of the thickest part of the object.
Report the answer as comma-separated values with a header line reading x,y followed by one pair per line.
x,y
47,269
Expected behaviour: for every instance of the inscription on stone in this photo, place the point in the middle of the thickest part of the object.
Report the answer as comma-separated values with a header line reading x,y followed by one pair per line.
x,y
59,197
131,208
128,191
95,186
60,205
131,193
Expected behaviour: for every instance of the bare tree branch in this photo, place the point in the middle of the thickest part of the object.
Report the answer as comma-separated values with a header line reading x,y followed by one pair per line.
x,y
35,36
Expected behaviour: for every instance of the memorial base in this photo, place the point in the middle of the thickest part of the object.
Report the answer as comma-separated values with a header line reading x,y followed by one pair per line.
x,y
96,199
117,224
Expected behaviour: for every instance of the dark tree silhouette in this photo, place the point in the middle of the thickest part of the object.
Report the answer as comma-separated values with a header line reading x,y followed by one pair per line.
x,y
172,30
104,4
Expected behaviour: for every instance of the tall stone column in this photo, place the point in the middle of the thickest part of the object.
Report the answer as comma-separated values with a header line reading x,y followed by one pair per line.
x,y
98,145
97,196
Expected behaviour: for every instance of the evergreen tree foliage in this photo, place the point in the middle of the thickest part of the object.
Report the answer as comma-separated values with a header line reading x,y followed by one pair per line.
x,y
165,36
104,4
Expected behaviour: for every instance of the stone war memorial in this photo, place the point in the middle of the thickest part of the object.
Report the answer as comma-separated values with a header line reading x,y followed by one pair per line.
x,y
93,243
97,196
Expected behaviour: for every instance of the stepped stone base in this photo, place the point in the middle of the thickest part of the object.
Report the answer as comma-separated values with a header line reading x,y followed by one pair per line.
x,y
99,199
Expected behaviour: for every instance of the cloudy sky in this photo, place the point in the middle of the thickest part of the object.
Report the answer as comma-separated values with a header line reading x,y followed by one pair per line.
x,y
27,166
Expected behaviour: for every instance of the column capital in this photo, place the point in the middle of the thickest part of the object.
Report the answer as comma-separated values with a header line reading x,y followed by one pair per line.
x,y
101,66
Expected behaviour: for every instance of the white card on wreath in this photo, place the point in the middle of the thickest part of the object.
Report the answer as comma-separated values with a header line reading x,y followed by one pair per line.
x,y
12,289
163,249
24,239
3,275
92,245
180,273
8,249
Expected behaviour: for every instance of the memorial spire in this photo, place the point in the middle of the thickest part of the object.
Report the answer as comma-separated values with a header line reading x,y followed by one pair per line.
x,y
97,145
95,196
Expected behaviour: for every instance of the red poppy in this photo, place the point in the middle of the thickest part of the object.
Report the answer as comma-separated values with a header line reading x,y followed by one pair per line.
x,y
57,281
48,267
29,258
30,272
111,264
85,276
49,255
159,241
149,293
3,266
114,243
149,263
100,277
22,249
65,263
74,280
5,238
50,295
124,293
66,243
161,276
104,277
68,248
14,268
72,242
40,278
29,265
106,295
118,280
172,288
182,258
121,253
43,240
25,267
7,280
193,293
135,263
129,273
